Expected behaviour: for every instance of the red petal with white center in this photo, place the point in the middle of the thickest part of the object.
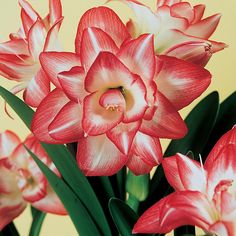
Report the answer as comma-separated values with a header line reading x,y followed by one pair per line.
x,y
98,119
105,19
227,138
28,15
66,126
198,13
183,10
14,46
136,103
166,123
177,209
123,135
12,204
46,112
50,203
98,156
37,36
37,89
148,148
55,11
223,168
51,42
192,178
180,81
72,82
8,142
138,55
137,165
94,41
171,170
54,63
196,52
15,67
108,72
204,28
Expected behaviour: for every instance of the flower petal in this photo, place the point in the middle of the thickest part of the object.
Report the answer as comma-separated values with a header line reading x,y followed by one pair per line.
x,y
37,89
196,52
98,119
192,178
72,82
66,126
8,142
167,2
14,46
46,112
138,55
122,135
180,81
148,148
198,13
227,138
55,11
37,36
50,203
108,72
105,19
137,165
98,156
95,40
166,122
12,204
55,62
177,209
204,28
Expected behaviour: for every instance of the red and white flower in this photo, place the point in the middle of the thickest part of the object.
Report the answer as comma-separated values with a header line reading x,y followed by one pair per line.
x,y
21,181
115,97
19,57
205,195
179,29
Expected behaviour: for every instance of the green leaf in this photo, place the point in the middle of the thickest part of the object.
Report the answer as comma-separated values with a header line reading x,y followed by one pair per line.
x,y
37,222
78,213
65,163
225,121
123,216
9,230
200,123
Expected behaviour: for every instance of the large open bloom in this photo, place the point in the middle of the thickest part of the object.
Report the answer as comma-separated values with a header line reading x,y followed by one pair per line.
x,y
205,195
21,181
115,97
180,29
19,57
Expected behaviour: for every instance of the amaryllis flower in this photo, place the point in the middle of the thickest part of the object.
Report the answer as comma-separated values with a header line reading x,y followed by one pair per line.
x,y
115,97
180,29
205,195
19,57
21,181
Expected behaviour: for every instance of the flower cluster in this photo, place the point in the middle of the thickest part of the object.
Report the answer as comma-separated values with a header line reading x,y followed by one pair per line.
x,y
116,95
21,181
204,195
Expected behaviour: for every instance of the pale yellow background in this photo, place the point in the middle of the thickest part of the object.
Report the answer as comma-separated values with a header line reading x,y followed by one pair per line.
x,y
222,66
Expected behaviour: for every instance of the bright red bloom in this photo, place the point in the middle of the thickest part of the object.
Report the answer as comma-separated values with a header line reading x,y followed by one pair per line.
x,y
115,97
205,195
21,181
179,29
19,57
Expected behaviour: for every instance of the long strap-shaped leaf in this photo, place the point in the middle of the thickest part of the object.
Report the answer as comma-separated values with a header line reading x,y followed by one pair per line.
x,y
78,213
9,230
65,163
